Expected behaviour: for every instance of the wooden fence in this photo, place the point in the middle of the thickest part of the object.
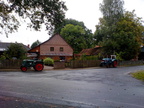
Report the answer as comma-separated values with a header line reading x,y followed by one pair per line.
x,y
15,64
10,64
83,63
96,63
130,63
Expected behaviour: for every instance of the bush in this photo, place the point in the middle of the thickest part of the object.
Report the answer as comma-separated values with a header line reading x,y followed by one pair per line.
x,y
84,57
49,61
2,57
16,50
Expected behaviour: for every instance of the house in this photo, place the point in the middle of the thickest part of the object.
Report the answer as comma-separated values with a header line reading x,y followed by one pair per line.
x,y
91,51
4,46
55,47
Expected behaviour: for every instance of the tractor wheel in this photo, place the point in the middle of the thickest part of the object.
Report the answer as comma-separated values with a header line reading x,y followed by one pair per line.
x,y
24,69
115,63
39,67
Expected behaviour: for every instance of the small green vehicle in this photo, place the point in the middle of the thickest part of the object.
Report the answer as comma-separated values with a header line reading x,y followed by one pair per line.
x,y
38,65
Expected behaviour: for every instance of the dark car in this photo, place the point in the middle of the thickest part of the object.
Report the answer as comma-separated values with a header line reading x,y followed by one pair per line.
x,y
108,62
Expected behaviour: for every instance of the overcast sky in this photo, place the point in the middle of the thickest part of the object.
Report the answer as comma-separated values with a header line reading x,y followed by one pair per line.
x,y
81,10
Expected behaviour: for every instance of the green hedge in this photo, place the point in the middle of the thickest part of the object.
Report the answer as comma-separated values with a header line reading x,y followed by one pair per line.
x,y
49,61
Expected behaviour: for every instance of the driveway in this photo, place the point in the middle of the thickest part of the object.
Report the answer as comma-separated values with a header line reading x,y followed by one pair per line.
x,y
81,88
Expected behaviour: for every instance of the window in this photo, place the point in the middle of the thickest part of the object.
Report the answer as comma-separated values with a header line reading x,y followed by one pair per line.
x,y
61,49
51,48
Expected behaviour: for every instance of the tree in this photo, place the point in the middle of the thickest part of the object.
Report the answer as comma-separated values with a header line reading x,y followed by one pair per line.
x,y
119,32
101,31
48,12
86,36
69,21
126,39
8,22
112,11
16,50
129,36
36,43
74,35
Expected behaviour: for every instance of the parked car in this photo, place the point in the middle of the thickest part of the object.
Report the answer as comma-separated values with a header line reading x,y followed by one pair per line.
x,y
109,62
38,65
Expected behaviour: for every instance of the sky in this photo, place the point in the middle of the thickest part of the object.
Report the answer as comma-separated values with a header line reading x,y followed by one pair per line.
x,y
86,11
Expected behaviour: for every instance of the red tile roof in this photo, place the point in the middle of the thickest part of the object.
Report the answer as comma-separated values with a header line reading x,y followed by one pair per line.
x,y
90,51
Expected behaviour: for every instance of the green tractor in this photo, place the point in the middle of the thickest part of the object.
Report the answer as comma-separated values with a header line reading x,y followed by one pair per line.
x,y
38,65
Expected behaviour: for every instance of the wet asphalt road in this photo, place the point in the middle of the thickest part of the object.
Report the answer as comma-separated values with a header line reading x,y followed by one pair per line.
x,y
82,88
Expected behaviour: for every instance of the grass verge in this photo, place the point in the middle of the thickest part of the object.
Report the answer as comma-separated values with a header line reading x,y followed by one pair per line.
x,y
138,75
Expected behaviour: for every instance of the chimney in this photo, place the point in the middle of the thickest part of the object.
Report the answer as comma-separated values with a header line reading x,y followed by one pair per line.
x,y
28,46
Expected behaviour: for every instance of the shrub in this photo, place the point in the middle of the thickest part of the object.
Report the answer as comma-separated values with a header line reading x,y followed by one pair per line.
x,y
84,57
49,61
2,57
16,50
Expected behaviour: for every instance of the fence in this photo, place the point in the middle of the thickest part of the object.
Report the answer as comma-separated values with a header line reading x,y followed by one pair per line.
x,y
96,63
10,64
83,63
15,64
131,63
59,65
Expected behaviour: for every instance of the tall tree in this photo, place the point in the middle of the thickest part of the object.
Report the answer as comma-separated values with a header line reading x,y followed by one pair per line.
x,y
87,40
74,35
119,32
86,36
48,12
69,21
128,36
36,43
101,31
8,22
112,11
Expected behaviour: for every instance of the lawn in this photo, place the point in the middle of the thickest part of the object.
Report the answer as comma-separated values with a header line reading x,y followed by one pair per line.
x,y
139,75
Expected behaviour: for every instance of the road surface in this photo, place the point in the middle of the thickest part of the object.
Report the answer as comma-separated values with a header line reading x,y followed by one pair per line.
x,y
80,88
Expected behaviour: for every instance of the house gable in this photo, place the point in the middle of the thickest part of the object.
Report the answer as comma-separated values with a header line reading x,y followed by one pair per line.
x,y
59,45
56,39
35,49
56,47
